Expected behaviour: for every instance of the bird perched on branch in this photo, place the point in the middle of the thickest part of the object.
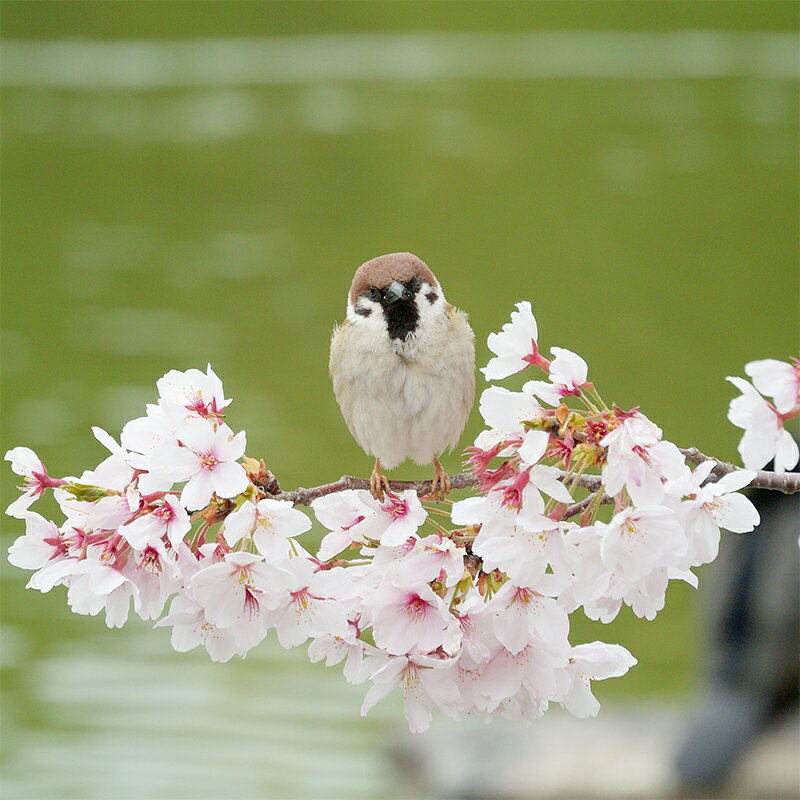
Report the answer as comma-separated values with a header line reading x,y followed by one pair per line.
x,y
403,367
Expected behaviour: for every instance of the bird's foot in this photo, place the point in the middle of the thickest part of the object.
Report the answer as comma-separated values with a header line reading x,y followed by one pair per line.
x,y
378,482
440,485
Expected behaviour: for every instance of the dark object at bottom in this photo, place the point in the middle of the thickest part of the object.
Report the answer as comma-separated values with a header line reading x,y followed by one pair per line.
x,y
755,640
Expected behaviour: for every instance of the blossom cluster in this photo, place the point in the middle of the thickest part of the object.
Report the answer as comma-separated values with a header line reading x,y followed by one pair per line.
x,y
464,608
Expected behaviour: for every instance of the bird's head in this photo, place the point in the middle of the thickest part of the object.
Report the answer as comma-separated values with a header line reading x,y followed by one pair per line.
x,y
395,295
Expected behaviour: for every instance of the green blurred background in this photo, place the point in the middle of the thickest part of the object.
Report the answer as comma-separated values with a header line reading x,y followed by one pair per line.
x,y
194,182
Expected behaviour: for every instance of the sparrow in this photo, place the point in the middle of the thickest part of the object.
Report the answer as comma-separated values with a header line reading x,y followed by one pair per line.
x,y
403,367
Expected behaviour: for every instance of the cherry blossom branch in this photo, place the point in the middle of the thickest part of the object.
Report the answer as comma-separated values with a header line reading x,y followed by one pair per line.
x,y
304,497
787,482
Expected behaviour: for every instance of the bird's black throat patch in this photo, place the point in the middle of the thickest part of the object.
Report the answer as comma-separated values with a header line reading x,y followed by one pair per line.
x,y
402,317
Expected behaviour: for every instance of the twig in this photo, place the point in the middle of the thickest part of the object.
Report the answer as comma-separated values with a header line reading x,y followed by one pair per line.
x,y
786,482
579,508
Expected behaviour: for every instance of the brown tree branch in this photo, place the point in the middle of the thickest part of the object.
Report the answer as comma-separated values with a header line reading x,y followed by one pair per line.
x,y
788,483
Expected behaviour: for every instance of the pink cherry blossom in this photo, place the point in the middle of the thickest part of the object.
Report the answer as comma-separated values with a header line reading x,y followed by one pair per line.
x,y
529,679
235,592
638,460
408,618
400,517
433,558
36,481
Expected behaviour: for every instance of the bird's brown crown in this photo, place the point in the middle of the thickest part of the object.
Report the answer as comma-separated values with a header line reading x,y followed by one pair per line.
x,y
381,271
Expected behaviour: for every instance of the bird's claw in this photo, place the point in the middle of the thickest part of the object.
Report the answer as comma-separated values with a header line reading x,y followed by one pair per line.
x,y
378,483
440,485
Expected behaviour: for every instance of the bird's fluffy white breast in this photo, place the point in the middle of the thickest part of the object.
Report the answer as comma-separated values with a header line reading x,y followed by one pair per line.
x,y
405,398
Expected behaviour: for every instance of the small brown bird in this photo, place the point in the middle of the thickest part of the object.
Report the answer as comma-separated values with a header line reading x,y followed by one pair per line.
x,y
403,367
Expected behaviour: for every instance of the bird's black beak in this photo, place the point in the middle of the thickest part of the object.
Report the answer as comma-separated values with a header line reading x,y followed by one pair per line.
x,y
396,291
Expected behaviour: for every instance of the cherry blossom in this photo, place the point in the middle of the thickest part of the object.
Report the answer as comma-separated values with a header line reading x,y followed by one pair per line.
x,y
301,609
166,518
765,437
516,347
334,649
400,516
408,618
36,481
184,395
190,628
521,617
235,591
593,662
568,372
715,505
426,683
207,458
638,460
351,517
270,523
778,380
463,608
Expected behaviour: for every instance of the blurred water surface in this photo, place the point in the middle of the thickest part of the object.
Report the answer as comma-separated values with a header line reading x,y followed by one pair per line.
x,y
169,203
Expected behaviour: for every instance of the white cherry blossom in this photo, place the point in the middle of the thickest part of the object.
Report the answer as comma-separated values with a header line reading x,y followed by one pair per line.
x,y
184,395
638,460
40,544
235,594
515,347
521,617
713,506
190,628
426,683
207,458
568,373
301,609
168,518
765,437
778,380
351,516
271,523
593,662
639,540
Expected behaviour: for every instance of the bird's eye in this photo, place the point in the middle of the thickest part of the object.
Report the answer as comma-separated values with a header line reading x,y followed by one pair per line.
x,y
414,285
374,294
